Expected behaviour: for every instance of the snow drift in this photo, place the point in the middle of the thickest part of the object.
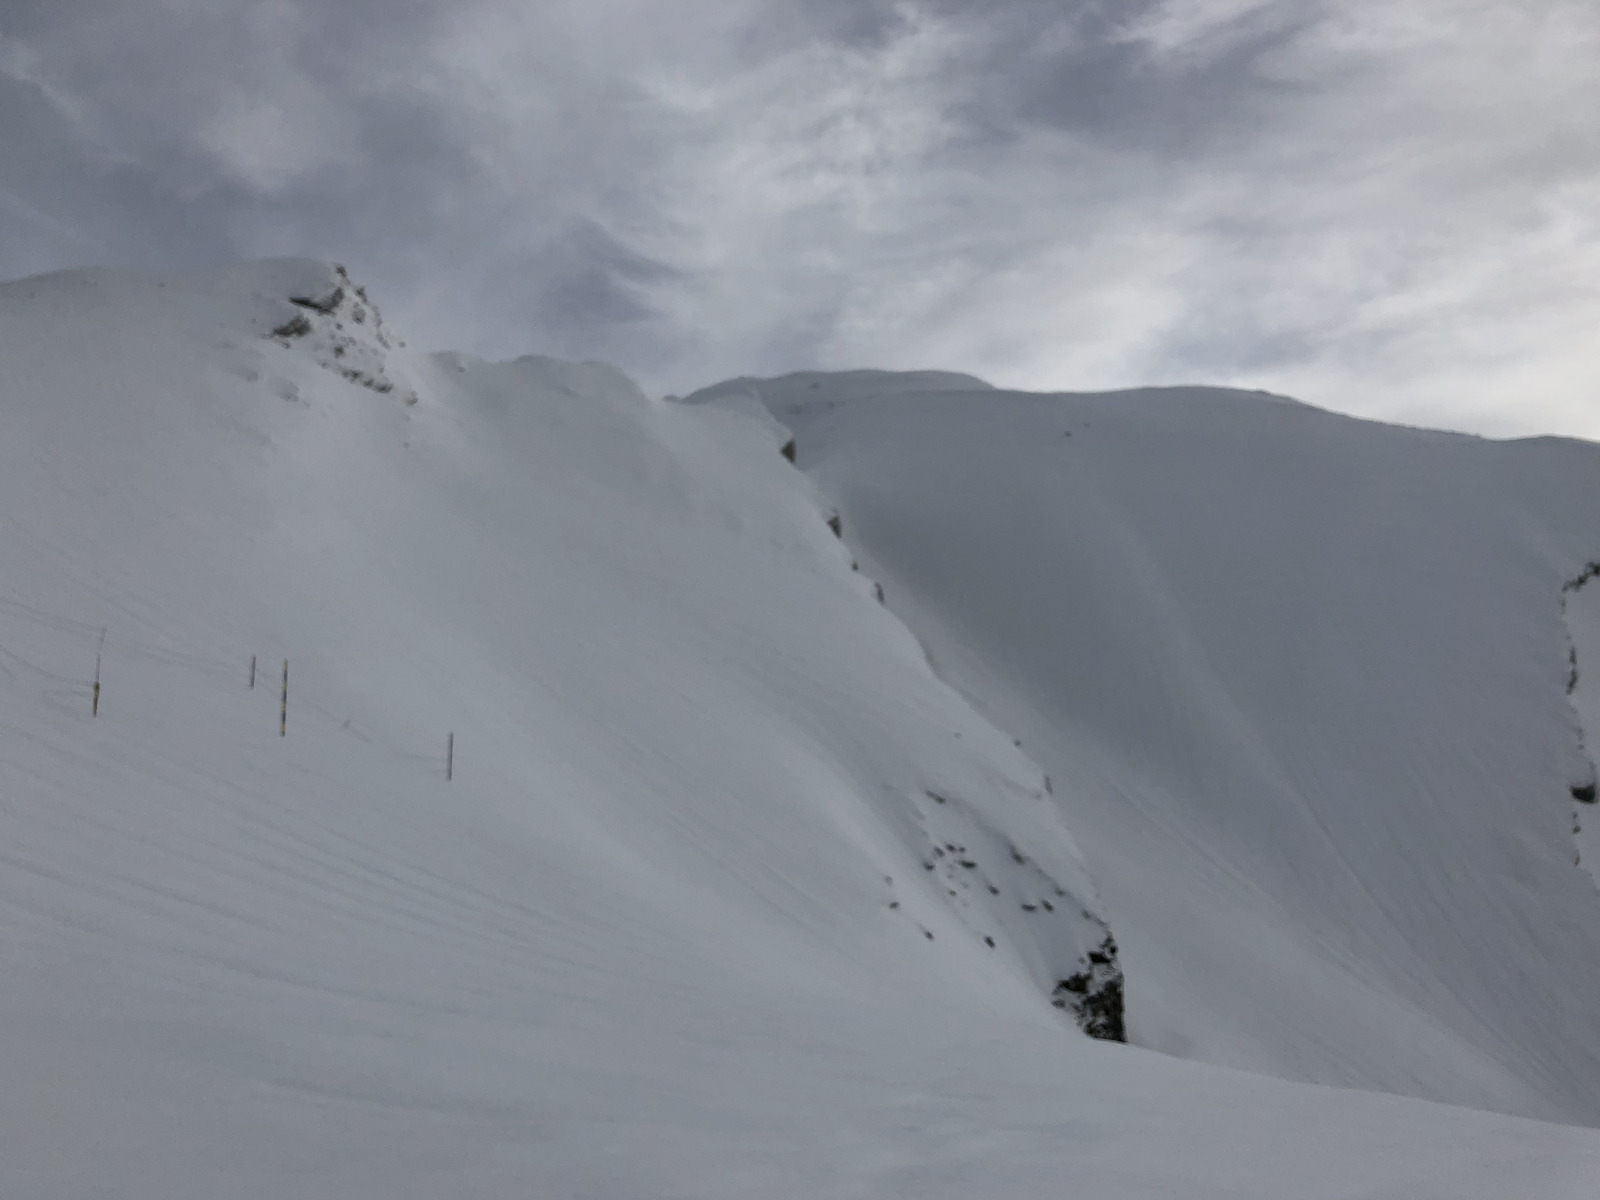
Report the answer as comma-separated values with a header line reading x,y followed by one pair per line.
x,y
730,894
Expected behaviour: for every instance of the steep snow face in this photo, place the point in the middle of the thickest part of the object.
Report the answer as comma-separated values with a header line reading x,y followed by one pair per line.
x,y
645,597
1581,607
706,909
1299,682
697,763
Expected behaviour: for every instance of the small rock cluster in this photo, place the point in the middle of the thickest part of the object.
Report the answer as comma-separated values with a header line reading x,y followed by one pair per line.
x,y
1094,994
984,876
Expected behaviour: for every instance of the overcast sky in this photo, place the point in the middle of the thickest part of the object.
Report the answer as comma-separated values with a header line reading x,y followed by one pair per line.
x,y
1389,207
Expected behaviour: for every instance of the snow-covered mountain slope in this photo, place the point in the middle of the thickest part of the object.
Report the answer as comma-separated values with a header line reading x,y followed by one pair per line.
x,y
1300,683
694,916
1581,609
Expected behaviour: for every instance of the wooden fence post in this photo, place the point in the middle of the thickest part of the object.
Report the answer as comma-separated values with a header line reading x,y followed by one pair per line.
x,y
450,757
283,711
252,672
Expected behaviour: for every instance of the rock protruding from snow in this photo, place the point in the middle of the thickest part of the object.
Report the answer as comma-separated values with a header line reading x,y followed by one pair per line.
x,y
1580,608
341,329
1094,994
982,859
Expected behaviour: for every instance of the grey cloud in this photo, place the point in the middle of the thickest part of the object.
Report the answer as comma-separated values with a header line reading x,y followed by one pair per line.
x,y
1082,66
585,289
1112,88
1295,194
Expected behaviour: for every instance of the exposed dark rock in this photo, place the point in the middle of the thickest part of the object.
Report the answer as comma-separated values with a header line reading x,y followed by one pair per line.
x,y
324,303
358,359
1583,791
1094,994
788,450
1590,571
295,326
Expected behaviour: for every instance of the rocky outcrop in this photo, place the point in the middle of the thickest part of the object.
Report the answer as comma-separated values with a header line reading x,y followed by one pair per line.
x,y
1583,782
1094,995
1010,901
344,332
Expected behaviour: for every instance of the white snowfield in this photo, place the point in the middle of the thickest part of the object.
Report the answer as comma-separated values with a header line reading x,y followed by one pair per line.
x,y
707,908
1301,682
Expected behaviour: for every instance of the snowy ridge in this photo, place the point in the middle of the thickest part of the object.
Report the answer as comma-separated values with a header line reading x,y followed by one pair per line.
x,y
1299,680
672,929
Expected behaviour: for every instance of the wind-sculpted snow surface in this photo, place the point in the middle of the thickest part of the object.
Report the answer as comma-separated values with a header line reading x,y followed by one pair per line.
x,y
729,895
1300,684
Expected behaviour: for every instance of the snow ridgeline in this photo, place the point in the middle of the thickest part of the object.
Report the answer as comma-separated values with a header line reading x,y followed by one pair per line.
x,y
1301,683
708,909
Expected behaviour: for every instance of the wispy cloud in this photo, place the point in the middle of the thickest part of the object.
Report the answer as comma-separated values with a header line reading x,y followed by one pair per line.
x,y
1391,208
